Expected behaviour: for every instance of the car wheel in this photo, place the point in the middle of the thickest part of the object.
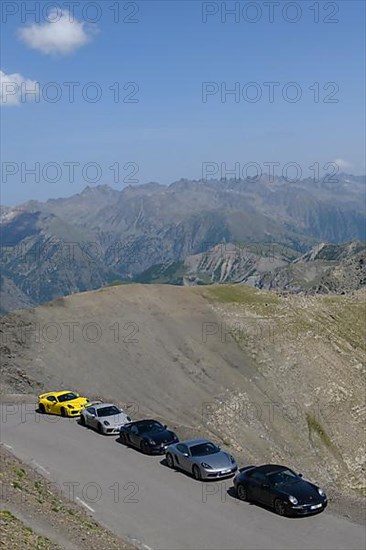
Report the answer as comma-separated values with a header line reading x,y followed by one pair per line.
x,y
42,408
63,412
170,460
100,429
196,473
242,492
145,447
280,507
82,420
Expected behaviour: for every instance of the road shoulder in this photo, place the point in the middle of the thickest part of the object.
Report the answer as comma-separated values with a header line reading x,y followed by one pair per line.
x,y
34,511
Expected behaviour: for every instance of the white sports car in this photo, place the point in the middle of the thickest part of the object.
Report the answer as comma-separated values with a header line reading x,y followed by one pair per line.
x,y
106,418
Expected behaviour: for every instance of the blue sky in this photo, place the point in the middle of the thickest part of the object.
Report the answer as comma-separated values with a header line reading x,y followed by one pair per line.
x,y
170,132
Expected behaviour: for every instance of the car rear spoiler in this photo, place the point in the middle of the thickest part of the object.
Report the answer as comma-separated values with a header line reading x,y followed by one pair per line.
x,y
42,395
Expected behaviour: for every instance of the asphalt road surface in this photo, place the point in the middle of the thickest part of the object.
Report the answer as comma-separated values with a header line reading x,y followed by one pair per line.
x,y
140,499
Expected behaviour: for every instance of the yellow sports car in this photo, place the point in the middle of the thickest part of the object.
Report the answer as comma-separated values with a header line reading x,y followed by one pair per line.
x,y
64,403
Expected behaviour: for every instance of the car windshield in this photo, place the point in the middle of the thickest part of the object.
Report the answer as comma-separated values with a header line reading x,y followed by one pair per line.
x,y
204,449
67,397
285,477
108,411
150,427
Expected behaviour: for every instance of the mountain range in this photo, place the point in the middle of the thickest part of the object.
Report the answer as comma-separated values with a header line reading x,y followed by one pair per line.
x,y
101,235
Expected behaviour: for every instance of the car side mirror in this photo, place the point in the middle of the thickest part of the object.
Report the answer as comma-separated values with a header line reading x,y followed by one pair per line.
x,y
300,475
165,426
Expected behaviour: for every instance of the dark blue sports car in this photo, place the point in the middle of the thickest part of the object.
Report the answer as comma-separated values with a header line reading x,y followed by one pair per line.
x,y
280,488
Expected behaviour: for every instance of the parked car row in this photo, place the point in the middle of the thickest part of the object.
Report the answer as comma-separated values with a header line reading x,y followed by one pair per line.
x,y
271,485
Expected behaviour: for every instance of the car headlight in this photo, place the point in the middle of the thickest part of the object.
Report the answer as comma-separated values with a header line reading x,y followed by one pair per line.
x,y
106,423
151,442
293,500
321,492
207,466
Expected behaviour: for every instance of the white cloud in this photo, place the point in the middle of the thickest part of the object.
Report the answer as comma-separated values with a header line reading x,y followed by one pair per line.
x,y
60,34
16,89
342,164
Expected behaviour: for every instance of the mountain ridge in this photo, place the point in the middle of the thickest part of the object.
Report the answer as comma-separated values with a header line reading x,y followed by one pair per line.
x,y
119,234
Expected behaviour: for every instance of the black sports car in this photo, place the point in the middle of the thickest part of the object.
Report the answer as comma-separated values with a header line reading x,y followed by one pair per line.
x,y
150,436
280,488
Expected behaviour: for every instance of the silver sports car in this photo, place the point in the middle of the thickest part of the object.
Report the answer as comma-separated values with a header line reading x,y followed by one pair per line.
x,y
104,417
200,457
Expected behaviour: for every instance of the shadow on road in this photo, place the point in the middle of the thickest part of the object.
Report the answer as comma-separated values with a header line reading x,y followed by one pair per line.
x,y
231,492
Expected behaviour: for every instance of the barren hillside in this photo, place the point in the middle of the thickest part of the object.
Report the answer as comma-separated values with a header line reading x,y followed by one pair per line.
x,y
276,378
